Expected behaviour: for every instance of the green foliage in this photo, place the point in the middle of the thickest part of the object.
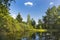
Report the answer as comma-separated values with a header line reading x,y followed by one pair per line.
x,y
10,28
19,18
3,9
33,23
8,25
39,25
6,2
51,17
13,29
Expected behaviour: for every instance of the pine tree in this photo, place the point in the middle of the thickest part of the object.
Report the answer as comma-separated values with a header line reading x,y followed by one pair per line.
x,y
51,17
33,23
28,19
19,18
39,25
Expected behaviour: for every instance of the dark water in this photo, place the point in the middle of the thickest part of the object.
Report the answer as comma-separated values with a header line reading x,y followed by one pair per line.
x,y
39,36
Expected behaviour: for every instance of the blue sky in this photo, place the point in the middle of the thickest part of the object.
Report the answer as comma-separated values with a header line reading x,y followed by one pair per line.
x,y
36,8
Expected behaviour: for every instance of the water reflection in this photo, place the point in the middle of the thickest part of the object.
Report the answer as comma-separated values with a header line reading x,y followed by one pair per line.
x,y
38,36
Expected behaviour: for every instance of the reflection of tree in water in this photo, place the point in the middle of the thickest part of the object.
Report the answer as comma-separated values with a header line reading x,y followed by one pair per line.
x,y
27,35
44,36
33,36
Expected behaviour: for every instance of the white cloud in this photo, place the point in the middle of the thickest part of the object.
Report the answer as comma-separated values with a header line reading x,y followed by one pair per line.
x,y
28,3
51,3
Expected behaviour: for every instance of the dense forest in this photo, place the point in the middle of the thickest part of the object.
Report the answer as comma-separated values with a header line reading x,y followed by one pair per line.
x,y
13,29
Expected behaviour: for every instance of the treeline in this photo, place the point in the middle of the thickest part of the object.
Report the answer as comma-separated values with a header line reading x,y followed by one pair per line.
x,y
13,29
52,18
10,28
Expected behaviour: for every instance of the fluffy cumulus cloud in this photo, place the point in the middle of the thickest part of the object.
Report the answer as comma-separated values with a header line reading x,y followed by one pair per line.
x,y
51,3
28,3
